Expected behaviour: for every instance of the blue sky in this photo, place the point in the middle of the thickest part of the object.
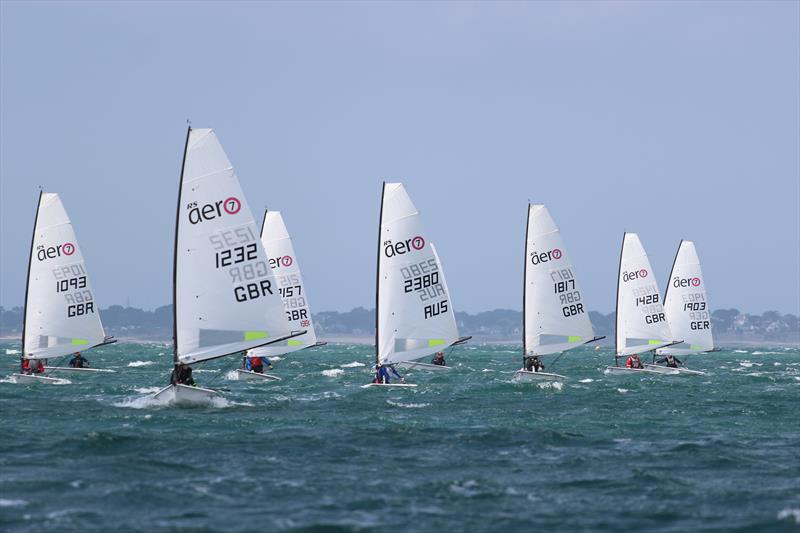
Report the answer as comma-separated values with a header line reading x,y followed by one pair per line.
x,y
672,119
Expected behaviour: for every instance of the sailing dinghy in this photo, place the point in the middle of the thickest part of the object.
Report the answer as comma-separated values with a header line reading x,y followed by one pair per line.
x,y
686,306
225,297
61,315
414,313
555,317
278,244
641,322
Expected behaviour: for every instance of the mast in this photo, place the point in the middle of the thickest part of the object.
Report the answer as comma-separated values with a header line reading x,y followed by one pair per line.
x,y
263,223
28,277
175,256
525,285
378,276
666,290
616,308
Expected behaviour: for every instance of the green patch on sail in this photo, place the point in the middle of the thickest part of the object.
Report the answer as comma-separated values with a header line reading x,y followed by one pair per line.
x,y
77,342
435,342
574,338
651,341
293,342
255,335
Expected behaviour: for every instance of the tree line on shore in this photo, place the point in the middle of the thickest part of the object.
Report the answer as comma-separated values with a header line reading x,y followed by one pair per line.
x,y
499,324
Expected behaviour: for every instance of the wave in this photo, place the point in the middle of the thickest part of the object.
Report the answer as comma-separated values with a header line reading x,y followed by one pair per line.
x,y
12,503
557,385
408,405
623,391
333,372
12,351
140,363
354,364
790,514
587,380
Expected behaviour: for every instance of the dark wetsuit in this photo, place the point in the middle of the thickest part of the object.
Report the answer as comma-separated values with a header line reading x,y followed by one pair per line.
x,y
182,376
438,360
675,363
78,362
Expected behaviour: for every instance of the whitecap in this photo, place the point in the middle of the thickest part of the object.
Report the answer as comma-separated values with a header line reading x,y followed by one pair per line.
x,y
557,385
140,363
487,370
12,503
740,351
587,380
746,364
791,514
12,351
354,364
147,390
408,405
622,391
232,375
333,372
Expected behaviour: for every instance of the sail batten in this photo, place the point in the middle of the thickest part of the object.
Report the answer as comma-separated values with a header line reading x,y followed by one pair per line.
x,y
414,311
641,321
686,304
555,315
227,299
61,315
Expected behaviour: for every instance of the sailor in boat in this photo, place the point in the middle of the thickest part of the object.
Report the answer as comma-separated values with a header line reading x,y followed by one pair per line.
x,y
671,361
78,361
181,375
382,374
256,364
438,359
533,364
32,366
633,361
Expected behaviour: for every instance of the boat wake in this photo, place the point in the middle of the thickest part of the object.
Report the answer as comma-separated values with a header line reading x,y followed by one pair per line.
x,y
148,401
554,385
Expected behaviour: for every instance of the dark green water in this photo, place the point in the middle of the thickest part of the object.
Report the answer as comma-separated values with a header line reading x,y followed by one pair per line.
x,y
465,451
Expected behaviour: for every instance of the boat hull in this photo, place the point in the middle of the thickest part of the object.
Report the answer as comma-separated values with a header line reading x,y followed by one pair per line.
x,y
389,385
36,378
624,371
679,370
185,395
249,375
422,366
71,369
525,376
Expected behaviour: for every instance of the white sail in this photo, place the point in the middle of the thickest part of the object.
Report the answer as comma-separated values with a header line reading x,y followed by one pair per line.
x,y
286,268
226,296
556,317
641,321
415,314
61,315
686,304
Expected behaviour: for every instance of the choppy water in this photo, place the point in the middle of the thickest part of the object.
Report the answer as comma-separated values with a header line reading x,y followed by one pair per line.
x,y
466,450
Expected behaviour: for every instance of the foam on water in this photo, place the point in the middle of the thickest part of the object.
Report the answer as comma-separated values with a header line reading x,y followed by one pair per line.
x,y
587,380
333,372
135,364
12,503
12,351
354,364
408,405
557,385
792,515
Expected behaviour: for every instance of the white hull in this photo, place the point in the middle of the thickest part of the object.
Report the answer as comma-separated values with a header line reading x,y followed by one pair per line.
x,y
70,369
624,371
389,385
185,395
37,378
249,375
422,366
679,370
524,376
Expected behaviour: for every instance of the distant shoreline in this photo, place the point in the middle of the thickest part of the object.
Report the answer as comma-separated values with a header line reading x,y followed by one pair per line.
x,y
369,340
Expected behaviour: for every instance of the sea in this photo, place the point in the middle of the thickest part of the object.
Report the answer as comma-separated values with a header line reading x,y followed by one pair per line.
x,y
467,450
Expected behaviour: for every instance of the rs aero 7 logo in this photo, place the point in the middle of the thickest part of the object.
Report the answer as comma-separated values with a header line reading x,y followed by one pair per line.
x,y
636,274
399,248
200,213
44,253
685,282
544,257
282,261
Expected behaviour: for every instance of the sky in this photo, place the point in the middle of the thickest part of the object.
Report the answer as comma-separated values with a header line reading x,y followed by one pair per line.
x,y
675,120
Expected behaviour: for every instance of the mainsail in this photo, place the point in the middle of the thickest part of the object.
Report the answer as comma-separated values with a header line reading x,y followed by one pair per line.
x,y
226,298
286,268
61,315
555,315
641,321
686,304
414,311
